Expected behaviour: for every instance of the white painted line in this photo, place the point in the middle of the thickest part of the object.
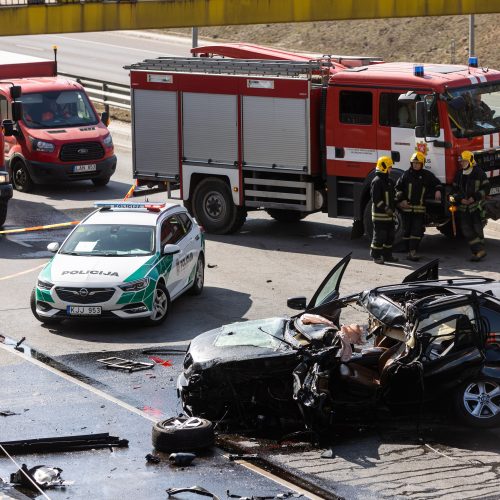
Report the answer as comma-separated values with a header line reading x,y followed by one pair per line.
x,y
22,272
29,47
22,243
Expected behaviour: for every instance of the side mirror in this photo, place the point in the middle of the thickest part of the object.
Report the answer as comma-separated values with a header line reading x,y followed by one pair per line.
x,y
419,131
105,118
298,303
9,128
17,110
53,247
169,249
15,91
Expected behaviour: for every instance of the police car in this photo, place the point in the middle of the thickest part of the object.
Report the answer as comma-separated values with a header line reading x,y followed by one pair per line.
x,y
125,260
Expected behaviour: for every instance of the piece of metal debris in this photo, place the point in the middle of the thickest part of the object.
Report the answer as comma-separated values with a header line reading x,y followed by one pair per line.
x,y
328,453
41,475
193,489
286,494
64,443
243,456
211,266
7,413
152,459
125,364
182,459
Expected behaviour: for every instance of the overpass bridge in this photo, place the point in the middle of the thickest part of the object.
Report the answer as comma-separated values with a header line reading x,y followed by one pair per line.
x,y
30,17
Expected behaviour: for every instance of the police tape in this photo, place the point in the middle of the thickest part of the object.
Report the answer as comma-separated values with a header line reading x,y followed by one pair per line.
x,y
40,228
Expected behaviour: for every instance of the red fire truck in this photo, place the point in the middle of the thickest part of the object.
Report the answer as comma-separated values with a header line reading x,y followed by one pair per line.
x,y
293,134
60,136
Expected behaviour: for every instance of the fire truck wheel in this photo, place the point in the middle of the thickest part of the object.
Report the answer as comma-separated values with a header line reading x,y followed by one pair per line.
x,y
3,212
101,182
214,208
286,215
21,177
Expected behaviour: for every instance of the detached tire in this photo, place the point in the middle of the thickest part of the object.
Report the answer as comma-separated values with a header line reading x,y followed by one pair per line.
x,y
287,216
214,208
183,434
477,403
3,213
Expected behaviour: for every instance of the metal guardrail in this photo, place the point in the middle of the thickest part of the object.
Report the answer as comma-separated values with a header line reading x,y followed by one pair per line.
x,y
108,94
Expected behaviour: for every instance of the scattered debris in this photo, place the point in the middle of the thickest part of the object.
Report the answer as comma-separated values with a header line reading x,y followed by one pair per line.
x,y
328,453
162,362
212,266
7,413
287,494
269,281
18,345
64,443
41,476
152,459
193,489
182,459
243,456
125,364
165,350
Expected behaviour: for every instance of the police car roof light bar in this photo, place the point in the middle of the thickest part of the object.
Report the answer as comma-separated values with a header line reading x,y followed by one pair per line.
x,y
108,205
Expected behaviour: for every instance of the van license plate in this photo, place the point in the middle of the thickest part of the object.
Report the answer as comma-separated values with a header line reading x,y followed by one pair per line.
x,y
83,310
85,168
495,190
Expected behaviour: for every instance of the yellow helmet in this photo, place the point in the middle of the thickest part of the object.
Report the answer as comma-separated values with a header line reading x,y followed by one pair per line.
x,y
384,164
468,156
418,156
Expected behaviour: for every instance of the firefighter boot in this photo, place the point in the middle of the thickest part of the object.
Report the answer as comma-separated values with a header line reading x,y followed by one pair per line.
x,y
478,256
378,260
413,256
390,258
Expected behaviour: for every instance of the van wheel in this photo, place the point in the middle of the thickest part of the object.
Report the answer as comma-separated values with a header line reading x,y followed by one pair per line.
x,y
214,208
477,403
160,306
287,216
3,212
103,181
21,178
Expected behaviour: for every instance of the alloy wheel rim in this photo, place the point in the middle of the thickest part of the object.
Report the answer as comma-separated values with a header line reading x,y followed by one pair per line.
x,y
159,304
20,177
482,399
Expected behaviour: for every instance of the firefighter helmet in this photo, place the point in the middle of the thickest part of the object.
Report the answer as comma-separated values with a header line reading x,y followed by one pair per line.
x,y
418,156
468,156
384,164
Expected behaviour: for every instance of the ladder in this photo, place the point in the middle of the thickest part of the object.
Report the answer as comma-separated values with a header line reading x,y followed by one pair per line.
x,y
248,67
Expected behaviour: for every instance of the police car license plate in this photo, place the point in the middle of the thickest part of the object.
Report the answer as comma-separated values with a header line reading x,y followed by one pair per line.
x,y
92,167
495,190
83,310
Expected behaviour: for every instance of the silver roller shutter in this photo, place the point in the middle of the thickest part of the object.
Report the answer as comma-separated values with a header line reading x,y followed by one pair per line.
x,y
155,129
276,132
210,127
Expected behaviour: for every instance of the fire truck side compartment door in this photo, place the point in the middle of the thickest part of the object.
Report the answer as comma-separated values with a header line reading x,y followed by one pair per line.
x,y
210,128
155,133
276,132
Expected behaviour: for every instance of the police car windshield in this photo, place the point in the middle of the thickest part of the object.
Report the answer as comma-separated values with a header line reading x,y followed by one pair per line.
x,y
474,110
69,108
110,240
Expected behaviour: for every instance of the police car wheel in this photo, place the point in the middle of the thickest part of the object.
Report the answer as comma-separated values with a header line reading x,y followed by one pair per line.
x,y
199,277
47,321
21,177
160,305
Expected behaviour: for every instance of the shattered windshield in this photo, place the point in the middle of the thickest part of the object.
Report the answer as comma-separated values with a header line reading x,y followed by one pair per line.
x,y
57,109
110,240
474,110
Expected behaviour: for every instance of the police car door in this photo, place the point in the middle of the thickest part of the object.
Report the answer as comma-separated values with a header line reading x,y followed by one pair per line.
x,y
172,232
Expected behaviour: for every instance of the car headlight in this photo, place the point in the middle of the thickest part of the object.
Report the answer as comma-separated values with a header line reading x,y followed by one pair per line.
x,y
108,141
45,147
4,178
44,285
135,286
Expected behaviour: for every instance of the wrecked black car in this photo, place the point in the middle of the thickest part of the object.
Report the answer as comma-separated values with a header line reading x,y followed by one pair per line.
x,y
431,340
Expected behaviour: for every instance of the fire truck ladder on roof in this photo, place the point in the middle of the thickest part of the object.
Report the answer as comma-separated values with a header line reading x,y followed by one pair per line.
x,y
294,69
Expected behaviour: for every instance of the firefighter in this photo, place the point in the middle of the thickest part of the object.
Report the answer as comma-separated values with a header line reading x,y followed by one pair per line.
x,y
411,190
383,204
469,190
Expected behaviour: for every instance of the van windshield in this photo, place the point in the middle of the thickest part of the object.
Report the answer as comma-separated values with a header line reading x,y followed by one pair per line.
x,y
474,110
69,108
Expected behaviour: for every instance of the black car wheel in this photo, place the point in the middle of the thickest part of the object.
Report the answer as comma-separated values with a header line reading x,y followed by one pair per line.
x,y
478,403
183,434
21,178
160,306
103,181
199,277
46,321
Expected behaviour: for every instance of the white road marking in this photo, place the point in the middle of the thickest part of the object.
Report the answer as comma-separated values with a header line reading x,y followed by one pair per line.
x,y
30,47
17,242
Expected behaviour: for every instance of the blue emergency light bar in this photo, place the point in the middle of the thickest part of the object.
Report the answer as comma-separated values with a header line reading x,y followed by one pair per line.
x,y
473,62
418,70
155,207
